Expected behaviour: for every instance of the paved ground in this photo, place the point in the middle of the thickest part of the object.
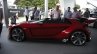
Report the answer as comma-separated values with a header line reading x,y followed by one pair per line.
x,y
46,47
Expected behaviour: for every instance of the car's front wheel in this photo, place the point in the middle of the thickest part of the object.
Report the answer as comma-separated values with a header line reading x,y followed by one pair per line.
x,y
17,34
78,38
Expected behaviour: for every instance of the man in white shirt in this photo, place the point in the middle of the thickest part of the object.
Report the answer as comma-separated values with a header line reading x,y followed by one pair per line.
x,y
26,13
68,13
56,13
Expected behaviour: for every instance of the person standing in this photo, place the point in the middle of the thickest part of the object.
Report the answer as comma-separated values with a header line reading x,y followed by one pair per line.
x,y
68,13
26,13
13,19
35,14
57,13
1,17
1,24
75,13
51,15
87,13
80,13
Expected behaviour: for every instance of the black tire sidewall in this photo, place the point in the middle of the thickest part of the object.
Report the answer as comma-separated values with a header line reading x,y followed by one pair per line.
x,y
13,38
71,40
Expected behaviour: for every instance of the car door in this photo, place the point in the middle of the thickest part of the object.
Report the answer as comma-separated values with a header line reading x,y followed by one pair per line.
x,y
37,30
52,29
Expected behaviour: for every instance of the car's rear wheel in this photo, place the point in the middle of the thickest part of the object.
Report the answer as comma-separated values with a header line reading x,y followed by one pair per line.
x,y
17,34
78,38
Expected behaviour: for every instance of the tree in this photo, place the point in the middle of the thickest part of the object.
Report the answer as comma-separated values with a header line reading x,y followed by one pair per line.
x,y
52,3
78,6
31,3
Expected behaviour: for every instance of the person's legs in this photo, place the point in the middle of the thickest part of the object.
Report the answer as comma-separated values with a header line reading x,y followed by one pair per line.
x,y
32,17
0,31
0,28
26,18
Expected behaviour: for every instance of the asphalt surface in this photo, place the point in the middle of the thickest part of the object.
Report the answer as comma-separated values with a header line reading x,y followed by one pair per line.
x,y
46,47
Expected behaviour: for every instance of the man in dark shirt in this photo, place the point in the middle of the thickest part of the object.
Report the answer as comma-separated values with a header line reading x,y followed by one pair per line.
x,y
1,24
87,13
1,17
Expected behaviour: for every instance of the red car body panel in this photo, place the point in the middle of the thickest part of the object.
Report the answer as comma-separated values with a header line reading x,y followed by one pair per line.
x,y
51,30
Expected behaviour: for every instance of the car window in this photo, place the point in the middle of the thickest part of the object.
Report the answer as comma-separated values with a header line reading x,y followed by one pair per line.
x,y
57,21
50,21
38,21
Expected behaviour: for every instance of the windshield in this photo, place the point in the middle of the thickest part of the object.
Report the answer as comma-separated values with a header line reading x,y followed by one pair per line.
x,y
39,21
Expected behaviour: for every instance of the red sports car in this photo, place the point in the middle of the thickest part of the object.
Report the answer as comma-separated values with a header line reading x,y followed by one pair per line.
x,y
72,30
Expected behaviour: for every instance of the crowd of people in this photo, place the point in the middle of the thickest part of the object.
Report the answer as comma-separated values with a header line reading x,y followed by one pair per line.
x,y
35,14
57,13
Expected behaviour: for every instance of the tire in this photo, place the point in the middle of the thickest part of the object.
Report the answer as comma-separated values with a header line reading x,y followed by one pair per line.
x,y
17,34
78,38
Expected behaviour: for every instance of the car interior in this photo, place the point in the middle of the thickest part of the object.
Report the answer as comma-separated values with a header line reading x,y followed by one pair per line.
x,y
81,20
49,20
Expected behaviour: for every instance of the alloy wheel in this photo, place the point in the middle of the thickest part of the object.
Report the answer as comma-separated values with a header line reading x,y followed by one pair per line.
x,y
78,38
17,34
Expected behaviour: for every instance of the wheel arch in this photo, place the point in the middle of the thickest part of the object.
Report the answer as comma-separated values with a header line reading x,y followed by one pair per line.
x,y
78,31
10,36
87,37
